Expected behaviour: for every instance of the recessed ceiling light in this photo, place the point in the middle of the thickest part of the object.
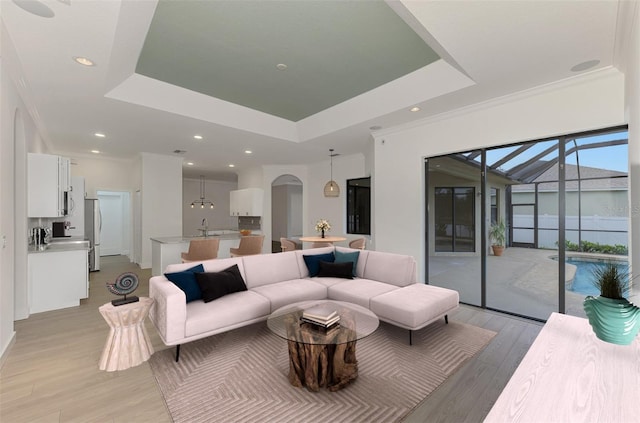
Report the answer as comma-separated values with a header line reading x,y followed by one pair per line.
x,y
248,151
232,165
585,65
99,135
415,109
189,163
83,61
281,66
95,151
35,7
198,137
375,127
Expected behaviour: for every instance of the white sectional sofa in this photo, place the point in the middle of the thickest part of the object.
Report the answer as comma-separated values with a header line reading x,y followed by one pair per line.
x,y
385,283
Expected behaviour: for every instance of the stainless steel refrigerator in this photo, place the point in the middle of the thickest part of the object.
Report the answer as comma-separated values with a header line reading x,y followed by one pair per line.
x,y
92,227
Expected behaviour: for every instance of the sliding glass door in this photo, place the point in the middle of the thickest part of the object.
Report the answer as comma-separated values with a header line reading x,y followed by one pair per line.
x,y
564,206
454,219
597,211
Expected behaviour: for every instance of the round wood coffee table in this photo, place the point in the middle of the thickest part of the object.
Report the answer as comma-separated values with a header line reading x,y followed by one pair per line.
x,y
322,358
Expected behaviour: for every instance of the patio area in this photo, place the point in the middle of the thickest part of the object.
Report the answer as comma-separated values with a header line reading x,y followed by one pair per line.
x,y
522,281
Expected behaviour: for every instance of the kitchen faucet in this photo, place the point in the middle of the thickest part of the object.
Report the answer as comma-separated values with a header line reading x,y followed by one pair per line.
x,y
205,223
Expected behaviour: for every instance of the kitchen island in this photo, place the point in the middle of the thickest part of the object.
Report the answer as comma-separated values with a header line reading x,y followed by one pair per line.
x,y
166,250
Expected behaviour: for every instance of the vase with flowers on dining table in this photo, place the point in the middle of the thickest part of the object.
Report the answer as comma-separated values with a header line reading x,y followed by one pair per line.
x,y
322,225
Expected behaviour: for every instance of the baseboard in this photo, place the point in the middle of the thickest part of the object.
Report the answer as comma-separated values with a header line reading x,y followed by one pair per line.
x,y
7,349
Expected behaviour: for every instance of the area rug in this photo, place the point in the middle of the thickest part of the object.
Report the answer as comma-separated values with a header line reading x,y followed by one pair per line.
x,y
241,376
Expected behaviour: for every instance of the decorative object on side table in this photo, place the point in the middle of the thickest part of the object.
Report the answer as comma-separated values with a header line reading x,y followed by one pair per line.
x,y
613,318
498,237
323,226
124,285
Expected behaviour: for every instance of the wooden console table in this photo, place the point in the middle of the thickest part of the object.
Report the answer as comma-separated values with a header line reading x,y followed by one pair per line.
x,y
569,375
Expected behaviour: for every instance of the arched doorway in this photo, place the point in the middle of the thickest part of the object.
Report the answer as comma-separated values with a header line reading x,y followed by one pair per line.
x,y
286,209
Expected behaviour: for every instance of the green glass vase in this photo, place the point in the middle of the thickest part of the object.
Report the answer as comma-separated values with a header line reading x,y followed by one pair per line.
x,y
613,320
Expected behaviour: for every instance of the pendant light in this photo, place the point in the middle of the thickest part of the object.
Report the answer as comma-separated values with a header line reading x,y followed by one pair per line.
x,y
202,201
331,188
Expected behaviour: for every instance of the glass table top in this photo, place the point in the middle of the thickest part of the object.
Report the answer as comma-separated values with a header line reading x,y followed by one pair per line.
x,y
355,323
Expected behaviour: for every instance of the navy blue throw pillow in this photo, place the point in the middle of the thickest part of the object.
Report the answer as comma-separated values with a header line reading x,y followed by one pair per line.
x,y
313,262
186,280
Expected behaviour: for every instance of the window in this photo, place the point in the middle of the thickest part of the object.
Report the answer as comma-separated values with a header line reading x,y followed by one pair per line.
x,y
455,219
495,195
359,206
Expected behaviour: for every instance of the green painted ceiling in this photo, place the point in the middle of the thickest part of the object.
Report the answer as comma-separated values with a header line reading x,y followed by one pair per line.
x,y
334,50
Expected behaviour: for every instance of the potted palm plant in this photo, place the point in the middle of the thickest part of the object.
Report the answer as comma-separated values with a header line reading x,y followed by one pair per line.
x,y
497,234
613,318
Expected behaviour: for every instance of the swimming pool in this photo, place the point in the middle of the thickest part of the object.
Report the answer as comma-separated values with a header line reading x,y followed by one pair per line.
x,y
583,280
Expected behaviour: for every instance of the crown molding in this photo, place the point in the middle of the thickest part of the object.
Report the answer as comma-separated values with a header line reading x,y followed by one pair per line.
x,y
602,73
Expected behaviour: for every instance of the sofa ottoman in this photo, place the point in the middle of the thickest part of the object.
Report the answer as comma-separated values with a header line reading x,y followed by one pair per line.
x,y
415,306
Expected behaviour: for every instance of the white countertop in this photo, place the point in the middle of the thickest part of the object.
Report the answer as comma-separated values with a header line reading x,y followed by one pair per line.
x,y
181,239
61,244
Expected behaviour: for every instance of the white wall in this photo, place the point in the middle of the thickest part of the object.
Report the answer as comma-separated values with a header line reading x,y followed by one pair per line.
x,y
268,175
590,102
18,135
314,204
104,174
7,113
219,217
161,206
251,178
332,209
632,112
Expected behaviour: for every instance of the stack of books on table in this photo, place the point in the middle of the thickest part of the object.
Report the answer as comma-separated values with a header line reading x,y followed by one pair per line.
x,y
323,316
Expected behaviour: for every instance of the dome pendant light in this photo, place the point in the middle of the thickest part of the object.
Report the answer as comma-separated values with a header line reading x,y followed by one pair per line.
x,y
331,189
202,201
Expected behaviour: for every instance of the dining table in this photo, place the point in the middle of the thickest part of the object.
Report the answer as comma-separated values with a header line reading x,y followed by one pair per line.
x,y
329,239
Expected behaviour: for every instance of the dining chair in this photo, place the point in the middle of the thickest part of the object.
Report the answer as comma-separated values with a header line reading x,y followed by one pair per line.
x,y
249,245
201,249
358,243
287,245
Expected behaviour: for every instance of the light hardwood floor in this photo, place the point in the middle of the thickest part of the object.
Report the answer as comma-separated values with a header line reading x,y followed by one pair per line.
x,y
51,372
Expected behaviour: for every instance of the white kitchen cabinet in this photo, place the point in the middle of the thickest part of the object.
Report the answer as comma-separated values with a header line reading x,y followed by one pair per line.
x,y
76,207
57,279
246,202
64,174
48,184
